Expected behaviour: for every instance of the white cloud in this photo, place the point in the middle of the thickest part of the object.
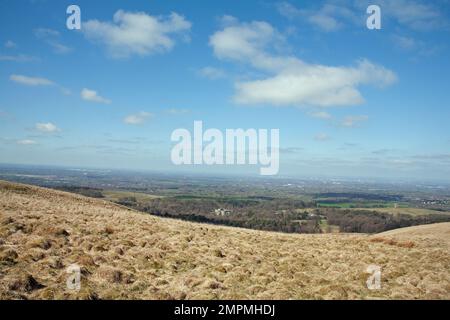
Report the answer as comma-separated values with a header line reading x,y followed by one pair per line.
x,y
93,96
353,121
288,10
320,115
329,17
418,15
138,118
314,85
26,142
414,46
10,44
405,43
37,81
325,22
291,81
211,73
413,14
136,33
321,137
30,81
244,41
59,48
47,127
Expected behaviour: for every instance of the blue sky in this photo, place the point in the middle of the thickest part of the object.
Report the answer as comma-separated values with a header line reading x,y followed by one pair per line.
x,y
348,101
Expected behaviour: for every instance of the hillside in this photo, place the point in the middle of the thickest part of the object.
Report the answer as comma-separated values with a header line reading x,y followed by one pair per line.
x,y
435,232
130,255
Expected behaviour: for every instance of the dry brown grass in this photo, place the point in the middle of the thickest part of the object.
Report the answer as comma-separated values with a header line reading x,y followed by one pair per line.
x,y
393,242
129,255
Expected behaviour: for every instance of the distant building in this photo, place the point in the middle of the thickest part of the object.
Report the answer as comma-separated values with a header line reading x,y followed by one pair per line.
x,y
222,212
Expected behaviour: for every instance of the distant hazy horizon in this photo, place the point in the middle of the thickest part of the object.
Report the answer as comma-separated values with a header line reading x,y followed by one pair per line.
x,y
232,176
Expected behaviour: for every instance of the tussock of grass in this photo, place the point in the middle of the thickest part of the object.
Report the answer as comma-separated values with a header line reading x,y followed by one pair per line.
x,y
128,255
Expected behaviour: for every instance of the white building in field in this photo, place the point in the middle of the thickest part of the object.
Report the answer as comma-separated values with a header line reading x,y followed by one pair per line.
x,y
222,212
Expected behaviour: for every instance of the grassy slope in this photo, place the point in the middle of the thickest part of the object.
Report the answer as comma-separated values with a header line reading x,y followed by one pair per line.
x,y
439,232
125,254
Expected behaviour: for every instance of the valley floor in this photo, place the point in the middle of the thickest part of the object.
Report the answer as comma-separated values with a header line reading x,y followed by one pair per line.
x,y
125,254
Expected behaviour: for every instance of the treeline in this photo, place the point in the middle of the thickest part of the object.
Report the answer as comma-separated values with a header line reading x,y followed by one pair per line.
x,y
84,191
238,207
275,215
364,221
279,225
352,196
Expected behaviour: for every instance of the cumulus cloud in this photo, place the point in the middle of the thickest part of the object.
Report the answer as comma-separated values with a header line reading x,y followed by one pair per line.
x,y
30,81
353,121
138,118
314,85
93,96
244,41
291,81
136,33
46,127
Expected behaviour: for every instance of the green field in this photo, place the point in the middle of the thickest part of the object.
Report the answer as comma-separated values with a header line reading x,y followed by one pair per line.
x,y
408,211
361,205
